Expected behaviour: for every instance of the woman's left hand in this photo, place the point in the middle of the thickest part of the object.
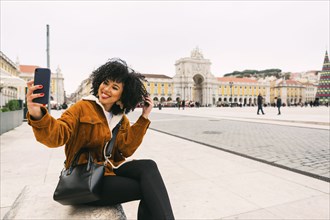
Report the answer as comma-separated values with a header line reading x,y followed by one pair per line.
x,y
146,109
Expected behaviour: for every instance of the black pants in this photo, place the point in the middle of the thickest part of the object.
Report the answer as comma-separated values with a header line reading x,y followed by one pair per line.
x,y
138,180
260,108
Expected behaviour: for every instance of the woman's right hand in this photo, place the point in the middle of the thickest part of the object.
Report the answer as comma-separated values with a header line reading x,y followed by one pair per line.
x,y
33,107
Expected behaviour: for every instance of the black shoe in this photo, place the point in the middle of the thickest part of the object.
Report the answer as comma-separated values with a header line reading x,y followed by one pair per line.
x,y
257,113
263,113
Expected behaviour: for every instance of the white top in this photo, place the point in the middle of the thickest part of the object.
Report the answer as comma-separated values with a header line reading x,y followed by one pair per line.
x,y
109,116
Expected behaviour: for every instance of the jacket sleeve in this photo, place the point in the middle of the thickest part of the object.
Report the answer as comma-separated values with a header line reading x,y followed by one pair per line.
x,y
55,132
130,137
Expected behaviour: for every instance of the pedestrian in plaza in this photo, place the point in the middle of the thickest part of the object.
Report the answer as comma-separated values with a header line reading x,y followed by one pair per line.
x,y
259,102
116,90
183,104
311,103
279,104
179,103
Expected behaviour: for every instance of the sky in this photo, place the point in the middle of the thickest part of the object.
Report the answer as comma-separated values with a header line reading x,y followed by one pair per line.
x,y
152,35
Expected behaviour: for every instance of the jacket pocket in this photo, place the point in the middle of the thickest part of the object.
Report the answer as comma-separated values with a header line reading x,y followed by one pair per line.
x,y
87,119
90,131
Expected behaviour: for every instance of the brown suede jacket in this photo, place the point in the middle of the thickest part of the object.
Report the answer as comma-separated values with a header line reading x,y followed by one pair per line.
x,y
84,124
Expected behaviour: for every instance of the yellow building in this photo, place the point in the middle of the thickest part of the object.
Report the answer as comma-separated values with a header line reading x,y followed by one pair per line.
x,y
160,87
241,91
290,91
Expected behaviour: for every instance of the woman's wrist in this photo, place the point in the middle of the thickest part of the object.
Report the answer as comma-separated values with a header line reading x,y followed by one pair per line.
x,y
37,115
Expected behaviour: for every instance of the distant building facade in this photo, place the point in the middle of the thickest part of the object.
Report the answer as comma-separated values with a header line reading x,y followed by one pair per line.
x,y
194,82
160,87
84,89
7,91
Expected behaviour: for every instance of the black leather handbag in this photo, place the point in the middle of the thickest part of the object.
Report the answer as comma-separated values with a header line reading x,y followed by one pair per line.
x,y
81,183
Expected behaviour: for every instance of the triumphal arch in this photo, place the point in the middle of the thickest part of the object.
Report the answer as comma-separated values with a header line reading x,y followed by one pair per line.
x,y
193,80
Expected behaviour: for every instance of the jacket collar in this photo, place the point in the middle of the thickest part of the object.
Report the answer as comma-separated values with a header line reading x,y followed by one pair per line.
x,y
115,118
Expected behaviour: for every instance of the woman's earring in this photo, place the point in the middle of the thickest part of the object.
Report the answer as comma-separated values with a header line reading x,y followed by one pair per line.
x,y
121,105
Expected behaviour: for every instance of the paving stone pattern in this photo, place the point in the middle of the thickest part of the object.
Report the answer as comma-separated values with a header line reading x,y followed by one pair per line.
x,y
302,149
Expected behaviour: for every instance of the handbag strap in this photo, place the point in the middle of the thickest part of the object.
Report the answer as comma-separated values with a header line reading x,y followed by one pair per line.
x,y
76,157
110,144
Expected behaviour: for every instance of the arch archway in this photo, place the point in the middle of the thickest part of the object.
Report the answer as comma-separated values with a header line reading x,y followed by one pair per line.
x,y
198,88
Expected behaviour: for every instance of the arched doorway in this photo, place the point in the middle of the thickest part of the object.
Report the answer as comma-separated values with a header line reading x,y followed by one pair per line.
x,y
155,100
198,88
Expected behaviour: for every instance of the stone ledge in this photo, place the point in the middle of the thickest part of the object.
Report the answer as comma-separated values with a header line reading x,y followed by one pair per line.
x,y
36,202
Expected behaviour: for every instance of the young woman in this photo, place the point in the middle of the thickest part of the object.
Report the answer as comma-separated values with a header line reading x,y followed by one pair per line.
x,y
116,90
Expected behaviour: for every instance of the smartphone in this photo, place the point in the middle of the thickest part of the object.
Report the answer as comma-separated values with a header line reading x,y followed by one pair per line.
x,y
42,77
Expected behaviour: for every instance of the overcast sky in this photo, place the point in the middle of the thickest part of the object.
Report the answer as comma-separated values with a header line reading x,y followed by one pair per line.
x,y
151,35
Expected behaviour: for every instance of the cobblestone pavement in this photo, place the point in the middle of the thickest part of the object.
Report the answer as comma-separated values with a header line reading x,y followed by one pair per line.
x,y
303,150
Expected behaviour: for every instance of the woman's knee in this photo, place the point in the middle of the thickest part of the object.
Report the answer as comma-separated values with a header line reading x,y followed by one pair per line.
x,y
150,163
147,166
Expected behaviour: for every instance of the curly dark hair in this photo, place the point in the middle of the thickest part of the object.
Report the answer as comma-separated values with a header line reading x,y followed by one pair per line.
x,y
117,70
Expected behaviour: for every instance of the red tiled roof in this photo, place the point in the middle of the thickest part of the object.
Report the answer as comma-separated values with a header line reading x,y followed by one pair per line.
x,y
156,76
238,80
27,68
308,84
290,82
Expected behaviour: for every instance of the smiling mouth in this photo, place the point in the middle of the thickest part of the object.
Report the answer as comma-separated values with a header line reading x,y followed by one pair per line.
x,y
104,96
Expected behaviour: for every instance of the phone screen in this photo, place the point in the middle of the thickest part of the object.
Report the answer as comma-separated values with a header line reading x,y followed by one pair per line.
x,y
42,77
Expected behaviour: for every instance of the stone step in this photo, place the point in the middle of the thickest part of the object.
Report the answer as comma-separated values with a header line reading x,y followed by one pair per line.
x,y
36,202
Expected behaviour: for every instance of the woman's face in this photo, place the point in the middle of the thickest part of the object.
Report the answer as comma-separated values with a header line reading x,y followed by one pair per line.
x,y
109,93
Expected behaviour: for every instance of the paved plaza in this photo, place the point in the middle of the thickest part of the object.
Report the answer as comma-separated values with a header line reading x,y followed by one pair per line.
x,y
203,182
296,145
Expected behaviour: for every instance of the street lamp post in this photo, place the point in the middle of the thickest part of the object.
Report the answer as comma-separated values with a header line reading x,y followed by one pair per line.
x,y
231,93
48,60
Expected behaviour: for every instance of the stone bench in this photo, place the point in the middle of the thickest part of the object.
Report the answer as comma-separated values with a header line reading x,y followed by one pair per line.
x,y
36,202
